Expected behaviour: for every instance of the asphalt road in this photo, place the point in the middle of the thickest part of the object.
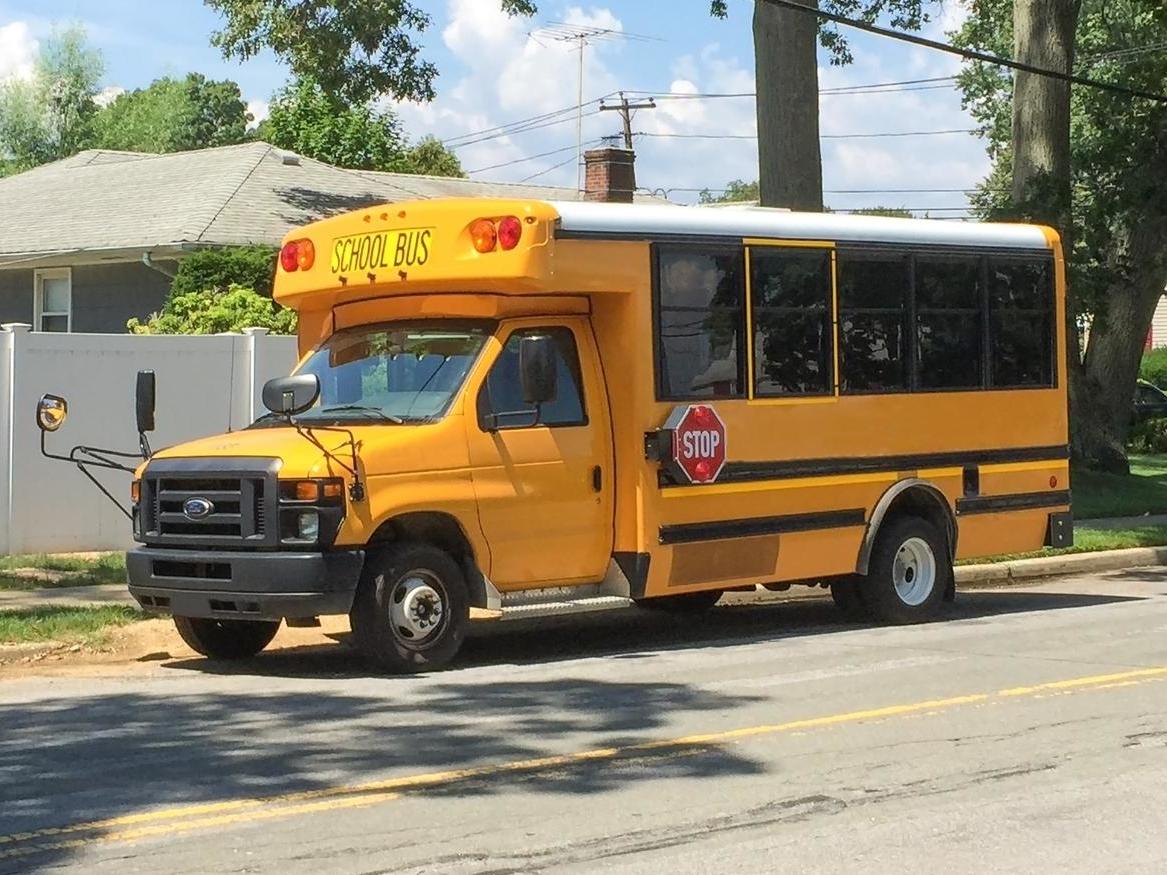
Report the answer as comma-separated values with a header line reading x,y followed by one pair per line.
x,y
1027,733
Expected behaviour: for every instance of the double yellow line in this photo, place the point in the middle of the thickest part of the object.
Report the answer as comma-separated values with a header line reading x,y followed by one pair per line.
x,y
181,819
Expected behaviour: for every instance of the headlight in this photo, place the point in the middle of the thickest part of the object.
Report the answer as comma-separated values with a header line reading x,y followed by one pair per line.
x,y
308,526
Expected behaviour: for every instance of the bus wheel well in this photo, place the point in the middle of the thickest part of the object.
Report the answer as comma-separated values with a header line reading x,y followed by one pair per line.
x,y
443,531
427,527
909,498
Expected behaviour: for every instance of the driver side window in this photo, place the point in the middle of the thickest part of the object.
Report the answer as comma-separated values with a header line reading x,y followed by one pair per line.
x,y
501,404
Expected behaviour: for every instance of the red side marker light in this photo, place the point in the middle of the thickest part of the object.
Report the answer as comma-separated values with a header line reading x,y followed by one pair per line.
x,y
290,257
1053,482
510,230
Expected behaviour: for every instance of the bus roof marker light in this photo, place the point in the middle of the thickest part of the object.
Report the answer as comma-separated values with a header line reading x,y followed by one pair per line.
x,y
510,231
484,236
290,257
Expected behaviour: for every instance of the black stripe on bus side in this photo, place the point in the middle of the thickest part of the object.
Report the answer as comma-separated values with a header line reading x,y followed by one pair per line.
x,y
1015,501
691,533
744,472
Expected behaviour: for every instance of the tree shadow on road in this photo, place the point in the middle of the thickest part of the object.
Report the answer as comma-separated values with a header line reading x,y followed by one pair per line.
x,y
67,760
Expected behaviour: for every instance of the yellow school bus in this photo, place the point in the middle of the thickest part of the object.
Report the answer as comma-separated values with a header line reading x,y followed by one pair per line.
x,y
506,401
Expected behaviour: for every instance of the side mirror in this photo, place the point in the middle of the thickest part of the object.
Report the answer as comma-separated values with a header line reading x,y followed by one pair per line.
x,y
537,372
51,411
144,401
289,396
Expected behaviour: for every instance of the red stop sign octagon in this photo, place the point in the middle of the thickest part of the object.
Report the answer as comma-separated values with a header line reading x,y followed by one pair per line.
x,y
698,442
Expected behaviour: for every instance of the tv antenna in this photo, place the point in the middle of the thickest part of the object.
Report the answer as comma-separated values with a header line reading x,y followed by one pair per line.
x,y
583,35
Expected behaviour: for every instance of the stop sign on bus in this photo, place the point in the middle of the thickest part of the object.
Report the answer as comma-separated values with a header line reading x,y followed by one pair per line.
x,y
698,442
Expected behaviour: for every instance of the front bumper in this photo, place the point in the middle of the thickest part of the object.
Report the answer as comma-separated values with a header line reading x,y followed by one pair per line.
x,y
243,585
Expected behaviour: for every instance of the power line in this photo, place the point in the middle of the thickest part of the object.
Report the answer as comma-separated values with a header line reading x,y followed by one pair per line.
x,y
532,157
548,169
968,54
503,128
822,136
533,127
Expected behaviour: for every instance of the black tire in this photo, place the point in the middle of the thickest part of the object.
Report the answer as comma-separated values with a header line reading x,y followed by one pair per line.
x,y
226,639
384,627
683,603
848,595
905,538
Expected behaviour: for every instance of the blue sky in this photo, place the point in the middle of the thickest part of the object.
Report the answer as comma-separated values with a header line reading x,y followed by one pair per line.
x,y
496,70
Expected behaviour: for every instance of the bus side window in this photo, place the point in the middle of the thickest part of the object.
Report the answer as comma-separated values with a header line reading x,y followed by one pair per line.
x,y
700,322
791,300
873,340
1021,311
501,404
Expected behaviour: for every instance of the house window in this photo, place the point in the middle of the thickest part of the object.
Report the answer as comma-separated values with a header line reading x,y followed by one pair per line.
x,y
53,300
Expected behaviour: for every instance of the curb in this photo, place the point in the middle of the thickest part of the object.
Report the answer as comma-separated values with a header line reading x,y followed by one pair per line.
x,y
995,573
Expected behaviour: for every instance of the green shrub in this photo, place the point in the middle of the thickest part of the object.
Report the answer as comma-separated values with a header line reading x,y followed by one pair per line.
x,y
215,311
253,267
1153,368
1149,436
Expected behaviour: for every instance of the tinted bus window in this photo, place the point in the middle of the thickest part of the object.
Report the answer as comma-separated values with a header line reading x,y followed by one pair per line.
x,y
948,322
791,292
873,291
700,323
1021,322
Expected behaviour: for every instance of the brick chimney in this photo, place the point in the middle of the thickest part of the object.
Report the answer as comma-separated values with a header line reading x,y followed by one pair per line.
x,y
609,175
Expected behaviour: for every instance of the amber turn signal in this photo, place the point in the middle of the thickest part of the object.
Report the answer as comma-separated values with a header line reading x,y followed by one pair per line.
x,y
484,236
136,491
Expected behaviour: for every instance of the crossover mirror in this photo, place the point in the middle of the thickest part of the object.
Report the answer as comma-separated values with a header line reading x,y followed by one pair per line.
x,y
537,372
51,411
144,401
289,396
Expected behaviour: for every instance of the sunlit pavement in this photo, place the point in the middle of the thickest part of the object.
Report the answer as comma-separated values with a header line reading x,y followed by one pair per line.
x,y
1025,733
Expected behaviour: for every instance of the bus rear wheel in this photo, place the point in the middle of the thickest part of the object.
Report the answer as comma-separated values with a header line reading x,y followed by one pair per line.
x,y
412,608
909,571
226,639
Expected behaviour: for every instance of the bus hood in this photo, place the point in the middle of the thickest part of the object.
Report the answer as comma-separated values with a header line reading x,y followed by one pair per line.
x,y
299,457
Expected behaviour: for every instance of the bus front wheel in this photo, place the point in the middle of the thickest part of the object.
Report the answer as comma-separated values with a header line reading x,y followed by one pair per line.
x,y
909,571
412,608
226,639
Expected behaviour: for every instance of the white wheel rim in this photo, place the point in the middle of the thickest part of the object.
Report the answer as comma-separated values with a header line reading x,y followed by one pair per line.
x,y
416,608
914,571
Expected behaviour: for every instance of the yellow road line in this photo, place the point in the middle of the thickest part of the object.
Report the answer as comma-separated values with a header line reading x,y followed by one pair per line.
x,y
237,811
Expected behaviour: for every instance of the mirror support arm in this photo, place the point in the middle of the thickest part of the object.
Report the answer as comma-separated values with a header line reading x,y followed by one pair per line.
x,y
92,457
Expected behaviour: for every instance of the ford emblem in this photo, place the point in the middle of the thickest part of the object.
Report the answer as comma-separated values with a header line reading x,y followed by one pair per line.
x,y
197,508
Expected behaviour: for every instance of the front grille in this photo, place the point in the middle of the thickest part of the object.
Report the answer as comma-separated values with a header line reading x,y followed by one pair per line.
x,y
237,499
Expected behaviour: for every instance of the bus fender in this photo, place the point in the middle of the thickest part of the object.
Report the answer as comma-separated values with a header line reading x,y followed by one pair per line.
x,y
925,489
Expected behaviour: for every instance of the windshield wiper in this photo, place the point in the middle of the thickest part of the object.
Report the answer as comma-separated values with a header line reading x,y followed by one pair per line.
x,y
361,408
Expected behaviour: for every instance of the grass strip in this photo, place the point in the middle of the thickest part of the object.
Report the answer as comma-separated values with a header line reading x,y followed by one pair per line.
x,y
62,623
50,571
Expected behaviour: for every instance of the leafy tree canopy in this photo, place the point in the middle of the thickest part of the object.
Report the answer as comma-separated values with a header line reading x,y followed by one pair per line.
x,y
174,115
735,191
355,49
304,119
250,266
215,311
49,116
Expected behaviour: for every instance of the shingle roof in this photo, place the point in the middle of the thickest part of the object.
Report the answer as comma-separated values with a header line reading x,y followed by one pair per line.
x,y
101,200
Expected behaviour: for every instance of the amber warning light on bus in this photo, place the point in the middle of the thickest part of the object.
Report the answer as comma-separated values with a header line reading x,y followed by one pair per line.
x,y
297,255
505,233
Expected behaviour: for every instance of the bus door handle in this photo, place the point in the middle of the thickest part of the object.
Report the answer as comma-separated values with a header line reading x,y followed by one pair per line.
x,y
597,478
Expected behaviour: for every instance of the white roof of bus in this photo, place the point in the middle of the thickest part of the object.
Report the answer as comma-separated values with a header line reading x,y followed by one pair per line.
x,y
651,221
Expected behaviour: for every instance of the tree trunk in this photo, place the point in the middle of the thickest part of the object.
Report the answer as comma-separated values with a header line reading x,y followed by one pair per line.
x,y
1102,398
790,172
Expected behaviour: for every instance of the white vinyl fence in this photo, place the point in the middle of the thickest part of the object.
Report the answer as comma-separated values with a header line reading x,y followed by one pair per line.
x,y
205,385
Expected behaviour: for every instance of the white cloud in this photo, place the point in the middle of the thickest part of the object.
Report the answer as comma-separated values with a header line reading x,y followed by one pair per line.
x,y
259,110
108,95
18,50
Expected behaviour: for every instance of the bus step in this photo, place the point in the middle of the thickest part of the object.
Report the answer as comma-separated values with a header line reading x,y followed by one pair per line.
x,y
527,610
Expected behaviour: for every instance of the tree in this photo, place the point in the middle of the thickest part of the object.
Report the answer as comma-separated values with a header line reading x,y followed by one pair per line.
x,y
305,119
48,116
735,191
174,115
355,49
253,267
215,311
1116,225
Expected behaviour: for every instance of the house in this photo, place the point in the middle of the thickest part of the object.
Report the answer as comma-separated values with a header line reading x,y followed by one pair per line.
x,y
92,240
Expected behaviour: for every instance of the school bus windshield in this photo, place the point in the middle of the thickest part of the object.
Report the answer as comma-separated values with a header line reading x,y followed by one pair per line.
x,y
394,372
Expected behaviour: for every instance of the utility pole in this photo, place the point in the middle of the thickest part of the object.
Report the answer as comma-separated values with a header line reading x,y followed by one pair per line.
x,y
625,109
